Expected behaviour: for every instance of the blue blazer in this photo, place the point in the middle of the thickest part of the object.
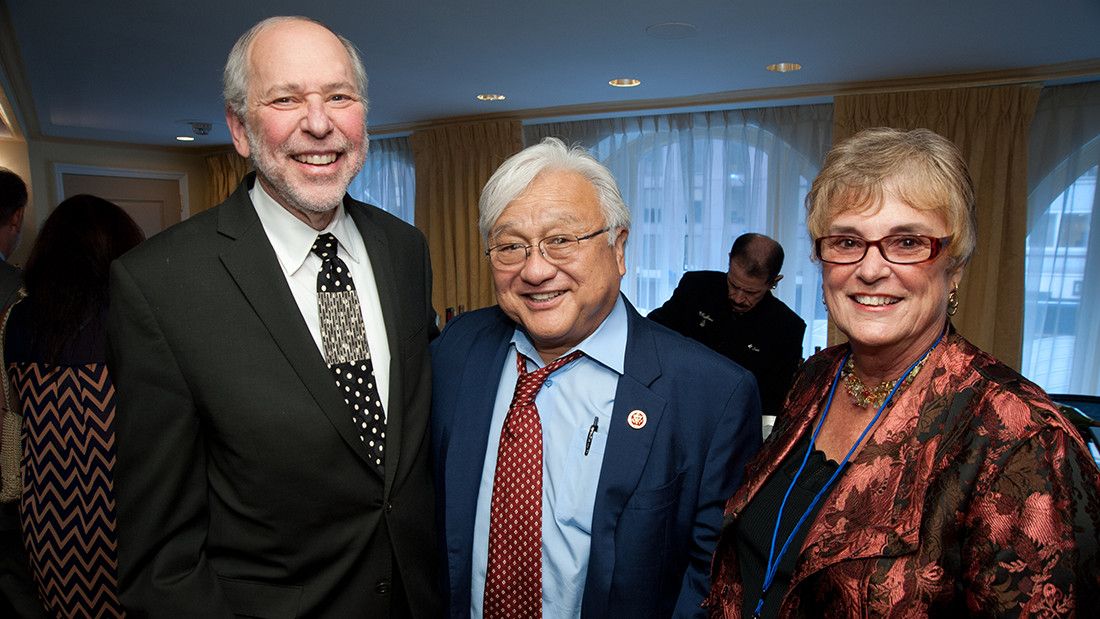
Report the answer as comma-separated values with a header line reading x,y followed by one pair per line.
x,y
662,488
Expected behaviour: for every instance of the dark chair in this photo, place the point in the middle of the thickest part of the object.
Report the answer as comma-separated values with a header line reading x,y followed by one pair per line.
x,y
1084,412
1087,404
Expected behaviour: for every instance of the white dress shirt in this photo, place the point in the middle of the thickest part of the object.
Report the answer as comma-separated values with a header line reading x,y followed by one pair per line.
x,y
292,240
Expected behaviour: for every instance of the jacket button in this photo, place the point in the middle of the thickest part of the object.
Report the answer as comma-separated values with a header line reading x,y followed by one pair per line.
x,y
382,587
389,507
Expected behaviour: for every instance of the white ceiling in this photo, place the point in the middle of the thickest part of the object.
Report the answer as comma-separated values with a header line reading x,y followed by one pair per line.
x,y
132,71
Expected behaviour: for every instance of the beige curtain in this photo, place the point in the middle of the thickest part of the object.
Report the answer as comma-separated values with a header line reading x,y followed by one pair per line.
x,y
453,162
226,171
990,125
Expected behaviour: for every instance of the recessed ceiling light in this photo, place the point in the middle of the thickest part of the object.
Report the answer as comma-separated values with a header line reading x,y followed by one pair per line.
x,y
185,138
491,96
784,67
199,127
624,82
672,30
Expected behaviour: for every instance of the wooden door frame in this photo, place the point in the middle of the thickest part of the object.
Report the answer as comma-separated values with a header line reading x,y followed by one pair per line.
x,y
60,169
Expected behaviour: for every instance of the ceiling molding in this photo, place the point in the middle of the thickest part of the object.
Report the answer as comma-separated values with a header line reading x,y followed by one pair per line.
x,y
9,130
9,126
201,151
1045,73
21,104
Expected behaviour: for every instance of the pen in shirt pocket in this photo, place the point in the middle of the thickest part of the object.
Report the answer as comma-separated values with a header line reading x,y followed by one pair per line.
x,y
591,432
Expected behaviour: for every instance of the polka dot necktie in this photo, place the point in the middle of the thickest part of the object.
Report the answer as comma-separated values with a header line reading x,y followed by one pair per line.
x,y
344,339
513,582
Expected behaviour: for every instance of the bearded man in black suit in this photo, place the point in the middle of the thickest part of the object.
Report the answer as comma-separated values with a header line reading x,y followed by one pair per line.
x,y
245,481
736,314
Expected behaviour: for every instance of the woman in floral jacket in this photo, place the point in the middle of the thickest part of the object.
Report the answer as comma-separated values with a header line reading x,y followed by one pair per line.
x,y
911,474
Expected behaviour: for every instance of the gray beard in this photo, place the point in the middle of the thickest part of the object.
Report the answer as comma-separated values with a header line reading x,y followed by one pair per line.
x,y
280,187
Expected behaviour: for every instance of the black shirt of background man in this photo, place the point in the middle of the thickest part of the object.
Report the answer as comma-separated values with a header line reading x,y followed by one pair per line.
x,y
766,340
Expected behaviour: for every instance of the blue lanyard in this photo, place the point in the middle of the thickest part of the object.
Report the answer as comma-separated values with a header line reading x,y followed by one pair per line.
x,y
773,558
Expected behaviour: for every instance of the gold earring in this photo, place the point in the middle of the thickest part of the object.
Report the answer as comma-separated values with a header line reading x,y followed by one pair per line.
x,y
953,301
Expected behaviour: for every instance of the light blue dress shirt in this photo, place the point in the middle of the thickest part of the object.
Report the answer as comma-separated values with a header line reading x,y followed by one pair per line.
x,y
569,403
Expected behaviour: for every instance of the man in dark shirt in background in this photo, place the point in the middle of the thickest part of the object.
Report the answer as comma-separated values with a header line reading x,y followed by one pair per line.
x,y
736,314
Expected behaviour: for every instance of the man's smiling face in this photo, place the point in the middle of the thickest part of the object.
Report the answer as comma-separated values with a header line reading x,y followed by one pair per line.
x,y
558,303
305,122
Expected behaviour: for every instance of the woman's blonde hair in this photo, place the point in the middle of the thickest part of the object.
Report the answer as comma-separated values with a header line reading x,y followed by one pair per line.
x,y
920,167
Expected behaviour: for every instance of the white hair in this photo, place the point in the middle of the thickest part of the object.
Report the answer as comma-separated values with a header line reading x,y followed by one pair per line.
x,y
518,171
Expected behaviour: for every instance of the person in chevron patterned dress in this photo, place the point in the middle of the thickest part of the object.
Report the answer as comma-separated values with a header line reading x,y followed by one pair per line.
x,y
55,350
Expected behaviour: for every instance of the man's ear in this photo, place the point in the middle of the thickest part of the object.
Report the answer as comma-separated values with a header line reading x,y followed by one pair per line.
x,y
775,282
238,131
620,250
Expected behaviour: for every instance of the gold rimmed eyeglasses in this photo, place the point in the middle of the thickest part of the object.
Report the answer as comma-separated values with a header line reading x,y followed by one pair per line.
x,y
556,248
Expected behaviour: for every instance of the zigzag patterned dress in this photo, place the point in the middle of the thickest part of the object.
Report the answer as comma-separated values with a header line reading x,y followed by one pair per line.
x,y
68,504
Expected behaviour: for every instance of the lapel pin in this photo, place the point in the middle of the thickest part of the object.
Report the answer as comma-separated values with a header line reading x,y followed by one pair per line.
x,y
753,348
704,319
636,419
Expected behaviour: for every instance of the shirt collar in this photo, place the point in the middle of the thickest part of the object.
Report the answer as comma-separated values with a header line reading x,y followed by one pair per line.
x,y
606,345
292,238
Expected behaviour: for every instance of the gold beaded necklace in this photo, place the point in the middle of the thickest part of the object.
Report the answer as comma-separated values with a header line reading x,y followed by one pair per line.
x,y
864,396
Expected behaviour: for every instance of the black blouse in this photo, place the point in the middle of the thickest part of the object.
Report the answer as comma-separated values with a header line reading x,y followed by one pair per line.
x,y
757,522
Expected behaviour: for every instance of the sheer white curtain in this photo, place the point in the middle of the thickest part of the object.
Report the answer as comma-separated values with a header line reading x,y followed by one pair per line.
x,y
388,178
1061,350
694,182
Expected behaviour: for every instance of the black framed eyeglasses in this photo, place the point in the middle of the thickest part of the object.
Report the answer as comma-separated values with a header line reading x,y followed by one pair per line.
x,y
895,248
556,248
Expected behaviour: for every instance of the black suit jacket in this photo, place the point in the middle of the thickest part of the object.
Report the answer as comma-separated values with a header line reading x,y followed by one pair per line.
x,y
242,487
766,340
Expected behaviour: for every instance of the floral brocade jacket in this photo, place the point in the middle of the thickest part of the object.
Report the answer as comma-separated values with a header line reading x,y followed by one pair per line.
x,y
971,496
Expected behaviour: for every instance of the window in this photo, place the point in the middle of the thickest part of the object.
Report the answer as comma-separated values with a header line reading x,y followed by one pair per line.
x,y
695,182
1057,259
388,178
1061,339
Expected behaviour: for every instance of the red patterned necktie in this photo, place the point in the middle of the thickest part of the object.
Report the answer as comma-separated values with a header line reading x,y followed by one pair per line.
x,y
513,582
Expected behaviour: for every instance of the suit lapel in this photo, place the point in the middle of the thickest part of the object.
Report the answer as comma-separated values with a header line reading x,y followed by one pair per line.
x,y
382,264
477,389
624,457
252,263
850,528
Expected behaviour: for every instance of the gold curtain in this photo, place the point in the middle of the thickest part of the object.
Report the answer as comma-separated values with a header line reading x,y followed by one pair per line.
x,y
453,162
226,171
991,127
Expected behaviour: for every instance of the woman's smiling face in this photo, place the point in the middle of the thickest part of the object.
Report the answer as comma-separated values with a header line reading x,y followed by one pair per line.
x,y
886,308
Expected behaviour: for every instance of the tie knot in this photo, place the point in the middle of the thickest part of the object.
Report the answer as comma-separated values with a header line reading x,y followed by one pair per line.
x,y
325,246
530,382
